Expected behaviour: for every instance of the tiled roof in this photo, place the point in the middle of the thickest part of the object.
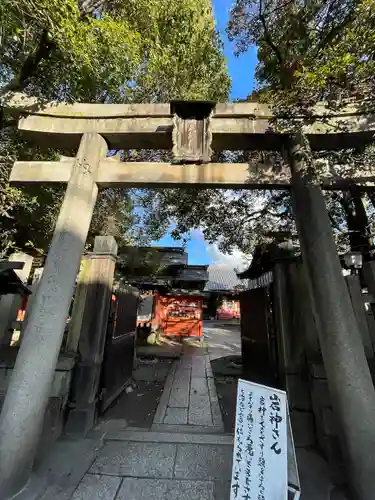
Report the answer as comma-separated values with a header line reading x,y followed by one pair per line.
x,y
223,278
10,282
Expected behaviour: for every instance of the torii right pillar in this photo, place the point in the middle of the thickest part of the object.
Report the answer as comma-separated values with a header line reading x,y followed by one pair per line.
x,y
350,383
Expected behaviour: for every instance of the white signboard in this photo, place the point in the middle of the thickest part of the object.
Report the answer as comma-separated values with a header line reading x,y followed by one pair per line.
x,y
260,458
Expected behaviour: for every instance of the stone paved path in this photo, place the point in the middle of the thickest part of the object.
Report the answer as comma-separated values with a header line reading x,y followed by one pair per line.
x,y
184,455
189,396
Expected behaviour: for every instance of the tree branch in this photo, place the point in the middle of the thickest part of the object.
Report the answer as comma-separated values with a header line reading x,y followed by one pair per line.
x,y
33,60
267,35
279,215
282,6
331,35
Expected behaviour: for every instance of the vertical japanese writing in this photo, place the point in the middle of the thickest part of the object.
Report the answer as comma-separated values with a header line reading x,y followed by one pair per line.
x,y
249,446
275,420
261,460
260,468
240,443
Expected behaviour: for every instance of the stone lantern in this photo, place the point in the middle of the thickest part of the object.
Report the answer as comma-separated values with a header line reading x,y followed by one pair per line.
x,y
191,131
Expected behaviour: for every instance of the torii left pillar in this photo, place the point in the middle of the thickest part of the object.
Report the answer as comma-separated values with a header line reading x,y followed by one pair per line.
x,y
27,396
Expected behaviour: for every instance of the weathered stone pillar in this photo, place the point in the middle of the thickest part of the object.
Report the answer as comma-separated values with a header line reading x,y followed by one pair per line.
x,y
34,286
26,400
348,374
9,304
93,303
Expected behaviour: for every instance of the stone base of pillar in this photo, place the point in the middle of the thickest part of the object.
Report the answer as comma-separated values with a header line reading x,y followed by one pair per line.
x,y
81,420
84,400
86,382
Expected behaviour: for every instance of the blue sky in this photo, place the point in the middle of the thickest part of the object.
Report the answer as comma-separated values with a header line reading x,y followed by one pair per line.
x,y
241,70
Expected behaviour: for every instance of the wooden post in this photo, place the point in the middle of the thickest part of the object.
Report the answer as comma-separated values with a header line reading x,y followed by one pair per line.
x,y
93,310
27,396
76,323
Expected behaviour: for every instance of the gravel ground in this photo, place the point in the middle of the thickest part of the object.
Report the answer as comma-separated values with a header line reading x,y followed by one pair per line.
x,y
138,406
226,388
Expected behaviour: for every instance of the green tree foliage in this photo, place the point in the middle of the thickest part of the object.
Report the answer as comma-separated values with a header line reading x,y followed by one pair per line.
x,y
294,39
96,51
240,219
320,50
66,49
182,57
308,51
347,62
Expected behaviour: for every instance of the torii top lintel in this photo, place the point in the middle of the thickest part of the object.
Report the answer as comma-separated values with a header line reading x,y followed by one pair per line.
x,y
232,126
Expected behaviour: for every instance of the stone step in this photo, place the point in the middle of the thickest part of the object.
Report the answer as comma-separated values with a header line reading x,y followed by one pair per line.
x,y
188,429
106,426
168,437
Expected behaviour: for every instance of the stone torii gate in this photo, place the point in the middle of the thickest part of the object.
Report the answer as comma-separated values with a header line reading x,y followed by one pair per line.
x,y
193,131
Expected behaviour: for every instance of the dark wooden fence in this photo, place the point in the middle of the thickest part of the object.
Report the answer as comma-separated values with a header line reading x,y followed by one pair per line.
x,y
119,346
